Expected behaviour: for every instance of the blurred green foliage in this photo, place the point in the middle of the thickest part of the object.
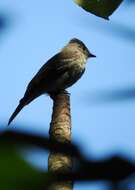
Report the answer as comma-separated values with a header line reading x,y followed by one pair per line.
x,y
17,174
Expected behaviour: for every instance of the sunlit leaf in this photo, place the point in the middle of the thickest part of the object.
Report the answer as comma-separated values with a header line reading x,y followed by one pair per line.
x,y
101,8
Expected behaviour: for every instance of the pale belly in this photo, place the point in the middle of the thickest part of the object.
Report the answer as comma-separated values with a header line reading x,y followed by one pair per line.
x,y
66,80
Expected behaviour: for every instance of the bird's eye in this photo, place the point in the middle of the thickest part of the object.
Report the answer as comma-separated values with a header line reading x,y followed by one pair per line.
x,y
84,48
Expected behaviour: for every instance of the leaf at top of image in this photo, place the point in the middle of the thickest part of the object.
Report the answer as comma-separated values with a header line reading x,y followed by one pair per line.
x,y
101,8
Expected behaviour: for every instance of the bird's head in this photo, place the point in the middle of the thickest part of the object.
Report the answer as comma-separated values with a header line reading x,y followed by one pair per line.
x,y
82,47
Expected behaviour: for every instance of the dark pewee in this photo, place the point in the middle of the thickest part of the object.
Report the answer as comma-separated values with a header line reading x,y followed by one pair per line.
x,y
59,73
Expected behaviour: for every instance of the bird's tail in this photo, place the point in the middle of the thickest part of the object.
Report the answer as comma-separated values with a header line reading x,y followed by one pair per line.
x,y
17,110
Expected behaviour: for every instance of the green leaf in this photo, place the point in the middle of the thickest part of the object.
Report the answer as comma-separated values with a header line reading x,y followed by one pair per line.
x,y
101,8
17,174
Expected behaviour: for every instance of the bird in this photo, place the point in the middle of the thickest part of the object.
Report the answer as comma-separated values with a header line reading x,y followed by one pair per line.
x,y
57,74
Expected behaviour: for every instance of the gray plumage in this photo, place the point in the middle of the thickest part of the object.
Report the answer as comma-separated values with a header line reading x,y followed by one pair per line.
x,y
60,72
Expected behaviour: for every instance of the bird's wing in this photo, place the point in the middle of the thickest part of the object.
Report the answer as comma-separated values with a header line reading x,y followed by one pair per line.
x,y
50,71
55,65
56,68
44,70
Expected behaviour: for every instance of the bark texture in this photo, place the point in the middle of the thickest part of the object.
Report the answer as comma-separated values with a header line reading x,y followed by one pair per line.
x,y
60,130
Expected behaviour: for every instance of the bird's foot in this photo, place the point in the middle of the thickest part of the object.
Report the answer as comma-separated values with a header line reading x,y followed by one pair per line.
x,y
54,94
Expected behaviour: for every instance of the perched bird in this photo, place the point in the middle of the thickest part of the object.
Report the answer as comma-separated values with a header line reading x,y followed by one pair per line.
x,y
60,72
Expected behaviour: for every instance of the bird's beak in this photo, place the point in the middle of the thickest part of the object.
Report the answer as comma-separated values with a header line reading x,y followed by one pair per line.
x,y
91,55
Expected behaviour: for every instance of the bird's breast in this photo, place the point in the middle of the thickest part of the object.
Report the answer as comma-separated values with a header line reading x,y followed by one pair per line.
x,y
74,74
